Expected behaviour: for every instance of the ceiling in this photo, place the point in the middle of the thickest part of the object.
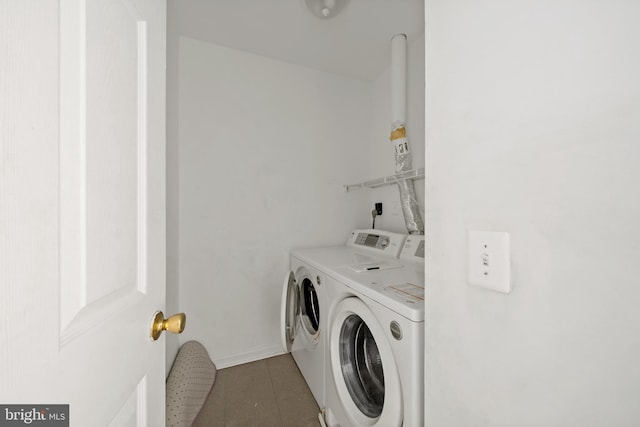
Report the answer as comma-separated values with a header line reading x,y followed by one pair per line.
x,y
356,43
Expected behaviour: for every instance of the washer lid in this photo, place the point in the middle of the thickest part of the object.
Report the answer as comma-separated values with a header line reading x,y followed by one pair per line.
x,y
290,311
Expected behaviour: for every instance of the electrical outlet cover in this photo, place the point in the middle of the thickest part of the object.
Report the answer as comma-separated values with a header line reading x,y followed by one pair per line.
x,y
488,260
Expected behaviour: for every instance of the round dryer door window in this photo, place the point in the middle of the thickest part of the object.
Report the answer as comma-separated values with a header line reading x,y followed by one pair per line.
x,y
309,306
361,365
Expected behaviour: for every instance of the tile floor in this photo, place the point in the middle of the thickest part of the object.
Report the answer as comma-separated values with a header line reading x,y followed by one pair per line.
x,y
265,393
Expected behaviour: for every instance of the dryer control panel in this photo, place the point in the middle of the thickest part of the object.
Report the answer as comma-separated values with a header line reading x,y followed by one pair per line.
x,y
377,241
413,249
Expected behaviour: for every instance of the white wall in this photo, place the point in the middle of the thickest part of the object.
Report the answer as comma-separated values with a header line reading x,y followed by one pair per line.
x,y
533,112
264,149
380,152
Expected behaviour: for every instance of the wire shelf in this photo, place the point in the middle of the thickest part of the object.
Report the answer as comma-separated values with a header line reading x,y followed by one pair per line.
x,y
387,180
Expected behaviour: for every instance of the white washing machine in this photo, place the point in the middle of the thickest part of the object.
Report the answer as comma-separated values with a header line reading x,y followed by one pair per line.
x,y
304,311
375,361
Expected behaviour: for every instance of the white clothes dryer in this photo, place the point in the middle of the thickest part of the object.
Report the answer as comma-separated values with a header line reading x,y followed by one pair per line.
x,y
303,323
375,362
304,313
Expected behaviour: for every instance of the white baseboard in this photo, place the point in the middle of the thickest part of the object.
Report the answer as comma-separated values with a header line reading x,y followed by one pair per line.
x,y
222,362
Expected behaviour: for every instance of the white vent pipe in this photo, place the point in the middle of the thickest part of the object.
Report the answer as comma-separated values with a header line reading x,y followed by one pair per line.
x,y
408,201
399,79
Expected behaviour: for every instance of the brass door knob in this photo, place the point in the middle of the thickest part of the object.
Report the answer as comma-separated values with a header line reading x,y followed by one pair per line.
x,y
174,324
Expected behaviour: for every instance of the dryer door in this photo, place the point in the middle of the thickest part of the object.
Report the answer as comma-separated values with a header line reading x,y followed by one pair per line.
x,y
364,368
290,311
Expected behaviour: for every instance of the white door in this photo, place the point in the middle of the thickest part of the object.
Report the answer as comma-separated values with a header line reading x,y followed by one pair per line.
x,y
82,241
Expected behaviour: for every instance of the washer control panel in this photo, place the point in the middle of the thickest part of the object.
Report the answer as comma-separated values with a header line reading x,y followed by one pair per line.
x,y
384,242
372,240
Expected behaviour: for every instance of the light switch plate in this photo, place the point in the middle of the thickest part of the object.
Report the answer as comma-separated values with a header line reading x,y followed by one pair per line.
x,y
488,260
